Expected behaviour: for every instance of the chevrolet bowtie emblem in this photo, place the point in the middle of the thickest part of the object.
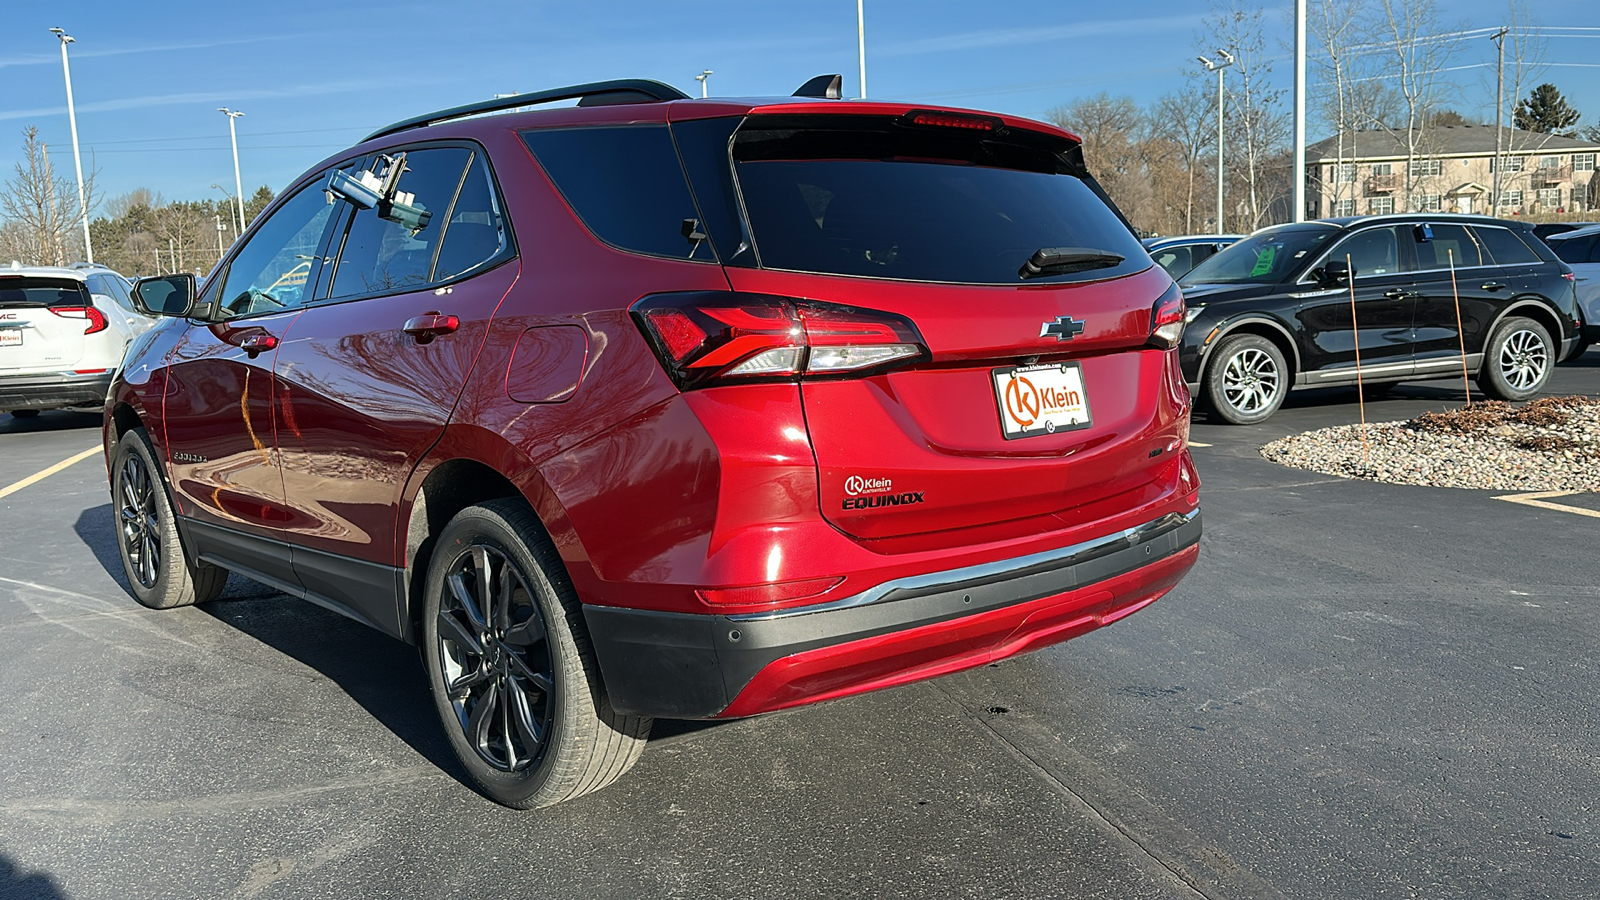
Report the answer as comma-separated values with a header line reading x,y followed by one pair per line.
x,y
1065,328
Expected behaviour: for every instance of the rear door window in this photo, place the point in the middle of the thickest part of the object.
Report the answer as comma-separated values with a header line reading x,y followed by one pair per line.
x,y
627,186
1452,246
1504,247
876,198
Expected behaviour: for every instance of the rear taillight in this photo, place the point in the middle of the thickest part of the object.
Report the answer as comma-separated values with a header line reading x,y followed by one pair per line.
x,y
97,319
719,337
1167,319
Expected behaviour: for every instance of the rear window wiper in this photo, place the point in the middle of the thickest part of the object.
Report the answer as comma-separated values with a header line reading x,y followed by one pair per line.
x,y
1064,260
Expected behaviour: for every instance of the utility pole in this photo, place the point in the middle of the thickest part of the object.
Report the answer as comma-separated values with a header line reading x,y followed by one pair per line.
x,y
237,184
77,158
1499,38
1299,175
218,220
861,46
1218,67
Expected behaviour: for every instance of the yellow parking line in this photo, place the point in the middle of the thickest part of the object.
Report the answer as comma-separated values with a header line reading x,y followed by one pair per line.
x,y
37,477
1539,499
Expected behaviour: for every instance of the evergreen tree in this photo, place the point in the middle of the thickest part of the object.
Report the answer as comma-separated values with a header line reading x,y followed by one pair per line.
x,y
1546,110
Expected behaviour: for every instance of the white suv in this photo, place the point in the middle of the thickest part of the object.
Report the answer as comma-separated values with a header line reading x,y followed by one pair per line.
x,y
63,333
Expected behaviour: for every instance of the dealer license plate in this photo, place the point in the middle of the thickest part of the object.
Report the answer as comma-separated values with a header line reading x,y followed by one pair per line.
x,y
10,337
1037,400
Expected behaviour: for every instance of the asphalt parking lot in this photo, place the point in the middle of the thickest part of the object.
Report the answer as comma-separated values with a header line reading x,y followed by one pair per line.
x,y
1363,690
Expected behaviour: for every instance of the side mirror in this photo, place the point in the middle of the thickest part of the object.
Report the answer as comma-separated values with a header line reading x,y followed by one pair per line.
x,y
168,295
1338,273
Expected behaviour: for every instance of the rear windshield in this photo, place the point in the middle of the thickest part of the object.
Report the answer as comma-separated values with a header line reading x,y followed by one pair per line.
x,y
29,291
1575,250
857,195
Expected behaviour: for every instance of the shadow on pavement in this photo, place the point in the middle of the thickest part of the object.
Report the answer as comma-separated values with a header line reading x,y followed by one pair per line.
x,y
52,421
14,885
94,527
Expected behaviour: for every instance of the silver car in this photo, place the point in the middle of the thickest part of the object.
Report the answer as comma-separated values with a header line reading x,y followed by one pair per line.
x,y
1581,250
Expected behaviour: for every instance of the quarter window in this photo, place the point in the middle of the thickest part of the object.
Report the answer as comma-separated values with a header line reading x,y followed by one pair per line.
x,y
278,267
476,232
1505,248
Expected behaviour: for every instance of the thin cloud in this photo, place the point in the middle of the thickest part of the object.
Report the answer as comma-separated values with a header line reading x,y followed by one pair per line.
x,y
1010,37
202,97
80,52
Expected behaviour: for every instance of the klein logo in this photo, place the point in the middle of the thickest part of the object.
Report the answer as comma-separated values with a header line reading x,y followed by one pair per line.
x,y
1064,328
855,485
1022,401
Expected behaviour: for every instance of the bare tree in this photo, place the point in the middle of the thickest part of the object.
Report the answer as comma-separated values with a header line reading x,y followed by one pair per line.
x,y
1258,125
1184,120
41,211
1340,28
1112,129
1417,50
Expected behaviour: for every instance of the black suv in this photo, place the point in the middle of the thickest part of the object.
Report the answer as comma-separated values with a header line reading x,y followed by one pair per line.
x,y
1292,306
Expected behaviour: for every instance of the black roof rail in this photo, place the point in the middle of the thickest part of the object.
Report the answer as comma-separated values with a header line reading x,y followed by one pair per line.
x,y
598,93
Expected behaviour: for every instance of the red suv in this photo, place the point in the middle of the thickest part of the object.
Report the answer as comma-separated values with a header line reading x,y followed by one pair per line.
x,y
659,406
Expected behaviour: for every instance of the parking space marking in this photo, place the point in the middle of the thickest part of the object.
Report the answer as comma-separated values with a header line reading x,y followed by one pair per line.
x,y
1198,444
1540,499
37,477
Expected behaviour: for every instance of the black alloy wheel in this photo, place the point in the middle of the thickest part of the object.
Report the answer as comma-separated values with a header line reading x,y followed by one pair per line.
x,y
140,531
495,658
159,574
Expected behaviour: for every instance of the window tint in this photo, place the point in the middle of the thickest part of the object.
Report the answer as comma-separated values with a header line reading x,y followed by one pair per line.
x,y
626,185
276,268
1575,250
30,291
1176,260
1373,252
1452,245
1506,248
476,231
380,255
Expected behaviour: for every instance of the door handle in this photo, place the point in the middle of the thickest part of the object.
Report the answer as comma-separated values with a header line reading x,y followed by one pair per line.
x,y
1396,294
430,325
1493,286
258,343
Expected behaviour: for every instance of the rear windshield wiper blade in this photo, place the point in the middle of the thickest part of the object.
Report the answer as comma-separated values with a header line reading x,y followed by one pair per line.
x,y
1063,260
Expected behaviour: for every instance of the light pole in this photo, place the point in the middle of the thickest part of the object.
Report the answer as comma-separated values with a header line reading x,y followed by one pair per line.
x,y
77,158
218,220
1299,173
702,79
231,222
1218,67
861,45
237,184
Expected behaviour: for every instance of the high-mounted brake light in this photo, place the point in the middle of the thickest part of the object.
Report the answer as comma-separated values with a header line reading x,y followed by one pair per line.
x,y
952,120
1167,319
97,319
717,337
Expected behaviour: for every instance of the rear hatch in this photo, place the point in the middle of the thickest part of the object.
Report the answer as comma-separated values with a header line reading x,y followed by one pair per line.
x,y
42,323
1037,390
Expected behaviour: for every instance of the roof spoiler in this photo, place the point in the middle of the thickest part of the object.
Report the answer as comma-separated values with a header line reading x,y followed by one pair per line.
x,y
823,86
598,93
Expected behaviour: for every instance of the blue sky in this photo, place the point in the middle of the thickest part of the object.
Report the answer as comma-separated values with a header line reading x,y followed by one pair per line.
x,y
313,78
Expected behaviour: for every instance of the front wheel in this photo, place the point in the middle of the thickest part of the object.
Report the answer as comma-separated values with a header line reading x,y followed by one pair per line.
x,y
1246,379
510,666
159,575
1517,361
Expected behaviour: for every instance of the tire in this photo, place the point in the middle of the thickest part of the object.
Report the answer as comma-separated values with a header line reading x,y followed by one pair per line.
x,y
159,573
1246,379
1517,360
557,738
24,413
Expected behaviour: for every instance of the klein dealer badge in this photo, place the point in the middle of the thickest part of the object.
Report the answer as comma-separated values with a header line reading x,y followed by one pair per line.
x,y
870,493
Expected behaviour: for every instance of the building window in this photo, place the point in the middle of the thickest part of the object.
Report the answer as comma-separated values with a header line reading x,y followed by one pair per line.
x,y
1549,162
1345,207
1511,164
1429,203
1383,168
1380,206
1426,167
1347,173
1550,197
1583,162
1510,198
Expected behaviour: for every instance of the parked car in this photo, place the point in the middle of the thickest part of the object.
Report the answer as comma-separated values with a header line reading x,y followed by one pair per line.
x,y
1178,255
1580,250
1546,230
1289,307
658,406
63,331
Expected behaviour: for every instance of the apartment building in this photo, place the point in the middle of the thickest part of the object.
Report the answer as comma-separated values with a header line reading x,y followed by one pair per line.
x,y
1453,171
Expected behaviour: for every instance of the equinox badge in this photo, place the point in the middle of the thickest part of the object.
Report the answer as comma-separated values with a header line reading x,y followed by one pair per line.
x,y
1065,328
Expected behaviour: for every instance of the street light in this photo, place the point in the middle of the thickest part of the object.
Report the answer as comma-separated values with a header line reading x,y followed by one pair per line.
x,y
702,79
861,45
77,158
1217,67
237,184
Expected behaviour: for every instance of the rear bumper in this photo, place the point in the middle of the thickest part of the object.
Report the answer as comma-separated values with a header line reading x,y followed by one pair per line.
x,y
54,390
681,665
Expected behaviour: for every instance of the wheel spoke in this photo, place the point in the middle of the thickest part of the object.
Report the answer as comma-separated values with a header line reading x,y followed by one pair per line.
x,y
507,701
463,596
460,687
450,629
528,725
504,591
524,671
486,597
482,718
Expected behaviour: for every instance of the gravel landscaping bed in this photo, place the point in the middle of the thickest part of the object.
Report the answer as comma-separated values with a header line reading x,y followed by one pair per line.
x,y
1552,444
